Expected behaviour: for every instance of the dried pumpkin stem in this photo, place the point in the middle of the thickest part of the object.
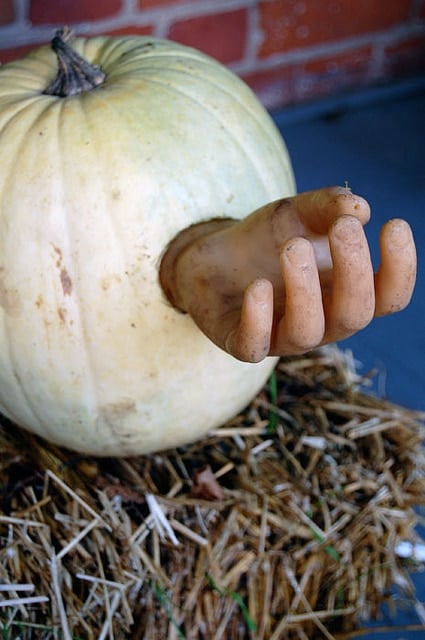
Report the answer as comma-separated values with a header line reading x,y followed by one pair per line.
x,y
75,74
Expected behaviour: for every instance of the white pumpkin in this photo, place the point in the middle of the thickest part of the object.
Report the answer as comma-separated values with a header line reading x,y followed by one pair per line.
x,y
93,187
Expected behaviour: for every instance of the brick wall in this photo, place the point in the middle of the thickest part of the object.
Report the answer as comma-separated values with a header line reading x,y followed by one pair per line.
x,y
289,51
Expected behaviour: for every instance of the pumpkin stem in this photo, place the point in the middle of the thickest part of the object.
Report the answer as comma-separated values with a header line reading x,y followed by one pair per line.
x,y
75,74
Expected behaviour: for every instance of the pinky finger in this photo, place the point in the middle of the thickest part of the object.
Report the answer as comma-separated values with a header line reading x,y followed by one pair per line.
x,y
250,341
395,280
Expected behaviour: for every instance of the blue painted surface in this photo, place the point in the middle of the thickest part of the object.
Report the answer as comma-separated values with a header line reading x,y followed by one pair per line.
x,y
376,142
380,151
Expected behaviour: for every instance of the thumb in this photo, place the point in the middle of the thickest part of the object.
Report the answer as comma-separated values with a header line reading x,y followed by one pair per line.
x,y
319,209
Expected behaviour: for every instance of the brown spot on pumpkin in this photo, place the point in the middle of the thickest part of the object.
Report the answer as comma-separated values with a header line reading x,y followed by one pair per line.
x,y
62,314
39,302
9,299
59,254
114,414
107,281
66,282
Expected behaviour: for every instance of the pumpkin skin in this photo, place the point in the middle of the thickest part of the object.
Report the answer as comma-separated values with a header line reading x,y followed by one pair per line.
x,y
93,188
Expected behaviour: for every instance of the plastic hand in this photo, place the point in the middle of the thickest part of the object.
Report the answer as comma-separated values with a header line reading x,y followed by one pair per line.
x,y
293,275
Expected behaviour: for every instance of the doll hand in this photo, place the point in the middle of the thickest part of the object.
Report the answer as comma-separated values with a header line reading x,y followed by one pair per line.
x,y
294,275
322,308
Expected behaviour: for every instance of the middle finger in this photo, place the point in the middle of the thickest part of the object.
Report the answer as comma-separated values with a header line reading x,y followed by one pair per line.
x,y
352,301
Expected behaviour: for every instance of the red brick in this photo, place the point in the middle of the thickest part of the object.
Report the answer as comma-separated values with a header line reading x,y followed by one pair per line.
x,y
69,11
355,60
334,74
7,12
7,55
274,87
301,82
145,4
221,35
405,58
145,30
289,24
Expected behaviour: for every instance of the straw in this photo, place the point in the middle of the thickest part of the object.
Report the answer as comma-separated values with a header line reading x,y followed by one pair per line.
x,y
295,520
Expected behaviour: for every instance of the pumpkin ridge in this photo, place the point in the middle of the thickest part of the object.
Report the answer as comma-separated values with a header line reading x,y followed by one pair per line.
x,y
258,169
98,49
107,54
160,48
88,368
32,406
203,59
7,355
21,71
19,389
206,79
65,253
17,114
12,163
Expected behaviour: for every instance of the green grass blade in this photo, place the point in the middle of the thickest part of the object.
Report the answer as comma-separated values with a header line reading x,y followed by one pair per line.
x,y
223,592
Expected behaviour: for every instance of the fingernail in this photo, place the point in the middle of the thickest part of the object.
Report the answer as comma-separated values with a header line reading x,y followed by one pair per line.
x,y
400,233
346,228
299,252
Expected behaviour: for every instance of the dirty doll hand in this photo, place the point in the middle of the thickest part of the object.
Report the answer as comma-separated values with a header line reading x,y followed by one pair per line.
x,y
293,275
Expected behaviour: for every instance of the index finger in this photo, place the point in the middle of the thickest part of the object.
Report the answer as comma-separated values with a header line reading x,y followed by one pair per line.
x,y
250,340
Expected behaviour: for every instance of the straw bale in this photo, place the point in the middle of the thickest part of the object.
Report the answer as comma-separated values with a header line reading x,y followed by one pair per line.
x,y
295,520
